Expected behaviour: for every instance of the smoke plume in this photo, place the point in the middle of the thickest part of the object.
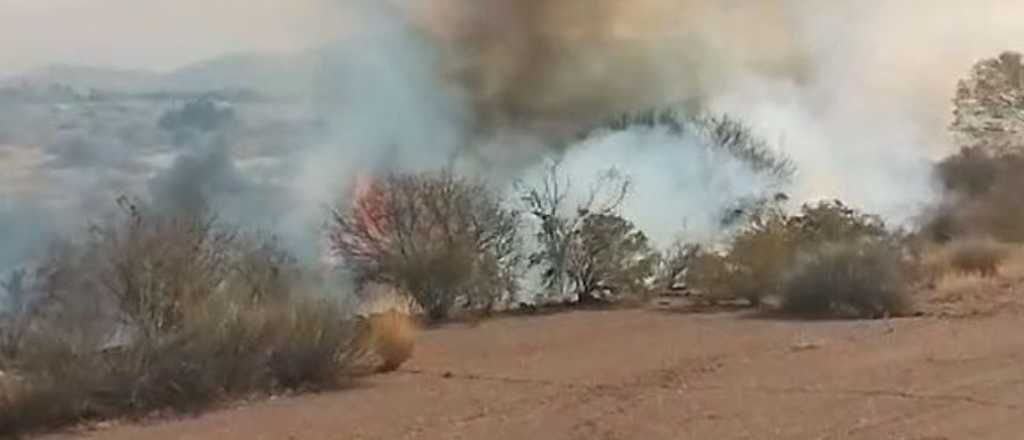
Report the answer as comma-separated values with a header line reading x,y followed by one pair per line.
x,y
855,92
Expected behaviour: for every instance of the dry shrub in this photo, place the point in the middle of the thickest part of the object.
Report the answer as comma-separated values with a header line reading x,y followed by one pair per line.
x,y
155,265
759,261
977,256
263,269
859,279
164,311
759,258
443,239
223,349
955,293
963,295
587,252
315,345
609,259
711,275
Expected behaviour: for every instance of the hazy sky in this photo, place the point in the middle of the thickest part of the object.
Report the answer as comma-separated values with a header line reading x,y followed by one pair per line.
x,y
158,34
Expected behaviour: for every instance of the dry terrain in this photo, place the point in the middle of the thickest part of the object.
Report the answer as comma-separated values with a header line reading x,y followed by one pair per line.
x,y
648,374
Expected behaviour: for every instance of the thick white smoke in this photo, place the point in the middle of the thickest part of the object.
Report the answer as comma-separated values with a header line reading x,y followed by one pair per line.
x,y
680,185
380,93
855,92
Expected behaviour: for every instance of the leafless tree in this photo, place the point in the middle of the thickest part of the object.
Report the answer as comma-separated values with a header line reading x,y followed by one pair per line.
x,y
559,230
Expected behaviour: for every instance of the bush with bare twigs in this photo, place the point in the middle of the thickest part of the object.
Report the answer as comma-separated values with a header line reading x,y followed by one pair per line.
x,y
442,238
162,311
590,253
155,265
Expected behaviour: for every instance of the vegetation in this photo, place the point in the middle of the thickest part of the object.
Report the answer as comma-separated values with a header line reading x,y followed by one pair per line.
x,y
163,311
982,195
589,253
804,261
854,279
172,310
197,118
441,238
609,259
977,256
989,104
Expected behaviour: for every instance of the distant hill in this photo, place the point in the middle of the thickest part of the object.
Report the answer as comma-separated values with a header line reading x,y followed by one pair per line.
x,y
269,73
86,77
272,73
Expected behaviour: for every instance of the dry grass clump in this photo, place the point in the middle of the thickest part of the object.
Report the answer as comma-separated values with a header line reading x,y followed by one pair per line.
x,y
977,256
392,337
964,295
954,293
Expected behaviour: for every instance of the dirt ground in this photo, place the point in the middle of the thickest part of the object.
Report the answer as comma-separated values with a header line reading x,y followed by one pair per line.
x,y
648,374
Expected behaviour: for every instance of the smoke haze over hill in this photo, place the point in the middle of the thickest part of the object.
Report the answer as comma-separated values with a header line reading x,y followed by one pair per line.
x,y
855,92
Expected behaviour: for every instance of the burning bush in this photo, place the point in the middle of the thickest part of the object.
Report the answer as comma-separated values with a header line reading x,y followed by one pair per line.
x,y
156,265
439,237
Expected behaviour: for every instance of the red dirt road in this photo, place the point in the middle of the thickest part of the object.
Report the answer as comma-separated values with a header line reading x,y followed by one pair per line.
x,y
657,375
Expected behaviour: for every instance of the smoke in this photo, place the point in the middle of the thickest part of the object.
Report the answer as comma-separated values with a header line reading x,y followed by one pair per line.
x,y
380,93
574,60
680,185
855,92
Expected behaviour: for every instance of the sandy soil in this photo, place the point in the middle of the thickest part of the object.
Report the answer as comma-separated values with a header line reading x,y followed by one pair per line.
x,y
646,374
